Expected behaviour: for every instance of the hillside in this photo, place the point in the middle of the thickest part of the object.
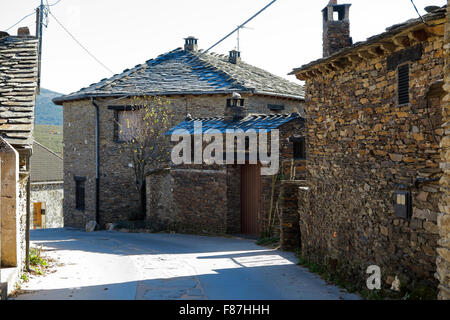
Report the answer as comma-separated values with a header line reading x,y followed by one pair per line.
x,y
46,111
50,136
48,128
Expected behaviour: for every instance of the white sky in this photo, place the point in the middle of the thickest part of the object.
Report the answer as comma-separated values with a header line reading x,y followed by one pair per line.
x,y
124,33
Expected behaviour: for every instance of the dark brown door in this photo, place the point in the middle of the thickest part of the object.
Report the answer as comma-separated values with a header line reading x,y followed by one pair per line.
x,y
250,198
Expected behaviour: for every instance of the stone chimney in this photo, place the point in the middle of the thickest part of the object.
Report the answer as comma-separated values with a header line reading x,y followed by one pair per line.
x,y
336,27
235,109
3,34
234,57
23,32
191,44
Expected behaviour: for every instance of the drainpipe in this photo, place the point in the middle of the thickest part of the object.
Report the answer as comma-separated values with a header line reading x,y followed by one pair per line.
x,y
97,163
27,223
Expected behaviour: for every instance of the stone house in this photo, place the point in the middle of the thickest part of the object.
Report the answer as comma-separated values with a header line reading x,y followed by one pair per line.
x,y
443,260
222,197
18,83
98,180
373,136
47,190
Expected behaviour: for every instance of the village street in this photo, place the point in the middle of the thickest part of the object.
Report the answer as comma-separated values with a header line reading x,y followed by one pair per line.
x,y
115,265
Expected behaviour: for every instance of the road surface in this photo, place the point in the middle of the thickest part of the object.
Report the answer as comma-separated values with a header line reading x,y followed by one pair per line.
x,y
109,265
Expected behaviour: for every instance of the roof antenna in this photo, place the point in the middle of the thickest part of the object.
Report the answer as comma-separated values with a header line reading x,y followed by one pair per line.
x,y
255,15
238,35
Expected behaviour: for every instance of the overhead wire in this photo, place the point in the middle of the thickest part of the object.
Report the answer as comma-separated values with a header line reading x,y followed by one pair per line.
x,y
414,5
80,44
15,24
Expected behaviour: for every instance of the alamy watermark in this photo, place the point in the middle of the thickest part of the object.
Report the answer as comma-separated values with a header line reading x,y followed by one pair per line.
x,y
243,144
374,280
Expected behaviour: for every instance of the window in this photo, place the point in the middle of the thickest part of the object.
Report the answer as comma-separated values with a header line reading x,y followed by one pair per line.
x,y
299,146
127,123
79,193
275,107
403,84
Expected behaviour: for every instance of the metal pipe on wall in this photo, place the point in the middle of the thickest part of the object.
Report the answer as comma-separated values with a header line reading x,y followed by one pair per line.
x,y
97,162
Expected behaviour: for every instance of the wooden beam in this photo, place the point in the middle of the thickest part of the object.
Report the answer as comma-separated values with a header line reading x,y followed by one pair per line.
x,y
337,65
324,69
388,46
316,72
300,76
402,41
310,74
354,58
376,51
366,54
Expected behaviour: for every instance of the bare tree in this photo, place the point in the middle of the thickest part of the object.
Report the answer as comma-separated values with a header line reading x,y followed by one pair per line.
x,y
142,133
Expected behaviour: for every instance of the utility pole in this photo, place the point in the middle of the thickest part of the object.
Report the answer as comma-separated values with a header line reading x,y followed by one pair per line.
x,y
39,22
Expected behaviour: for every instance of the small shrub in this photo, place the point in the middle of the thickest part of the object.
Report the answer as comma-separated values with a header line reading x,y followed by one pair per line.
x,y
24,277
263,241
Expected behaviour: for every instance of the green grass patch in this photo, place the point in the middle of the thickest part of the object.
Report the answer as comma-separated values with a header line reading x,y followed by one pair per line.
x,y
264,241
414,291
50,136
37,262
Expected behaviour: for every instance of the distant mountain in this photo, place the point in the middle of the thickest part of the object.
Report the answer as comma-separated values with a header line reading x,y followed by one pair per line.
x,y
46,111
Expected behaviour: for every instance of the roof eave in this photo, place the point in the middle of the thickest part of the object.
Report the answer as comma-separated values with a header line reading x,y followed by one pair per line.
x,y
61,100
372,40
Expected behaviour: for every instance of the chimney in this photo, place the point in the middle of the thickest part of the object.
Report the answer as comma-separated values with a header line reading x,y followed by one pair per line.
x,y
190,44
235,109
23,32
3,34
336,27
234,57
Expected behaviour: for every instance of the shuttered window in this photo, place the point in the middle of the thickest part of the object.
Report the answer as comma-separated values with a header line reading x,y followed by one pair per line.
x,y
403,84
299,148
79,193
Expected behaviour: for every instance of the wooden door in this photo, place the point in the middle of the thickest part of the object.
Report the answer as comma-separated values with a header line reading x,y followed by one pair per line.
x,y
37,214
250,198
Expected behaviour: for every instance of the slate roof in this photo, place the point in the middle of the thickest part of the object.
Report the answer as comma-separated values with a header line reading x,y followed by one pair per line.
x,y
257,122
18,82
189,72
46,166
391,31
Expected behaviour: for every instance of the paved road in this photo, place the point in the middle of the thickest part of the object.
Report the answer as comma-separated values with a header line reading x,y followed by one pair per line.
x,y
115,265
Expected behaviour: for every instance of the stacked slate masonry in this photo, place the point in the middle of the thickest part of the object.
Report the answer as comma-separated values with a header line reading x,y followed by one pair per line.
x,y
365,146
206,199
18,84
192,84
443,260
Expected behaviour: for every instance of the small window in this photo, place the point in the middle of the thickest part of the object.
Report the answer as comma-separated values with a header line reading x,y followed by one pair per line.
x,y
403,84
79,193
275,107
299,148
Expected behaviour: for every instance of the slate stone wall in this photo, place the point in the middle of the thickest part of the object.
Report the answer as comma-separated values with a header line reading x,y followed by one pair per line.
x,y
336,36
207,199
443,259
52,195
118,197
363,146
79,161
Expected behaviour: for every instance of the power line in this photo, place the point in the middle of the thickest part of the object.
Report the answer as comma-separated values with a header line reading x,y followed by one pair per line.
x,y
53,4
15,24
78,42
414,5
239,27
